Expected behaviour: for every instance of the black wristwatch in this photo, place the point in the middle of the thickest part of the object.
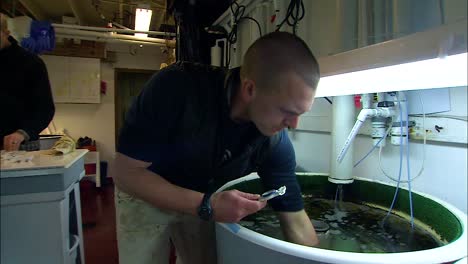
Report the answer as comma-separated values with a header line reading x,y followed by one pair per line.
x,y
205,212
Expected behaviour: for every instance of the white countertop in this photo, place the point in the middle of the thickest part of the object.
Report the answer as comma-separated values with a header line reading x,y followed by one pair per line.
x,y
33,160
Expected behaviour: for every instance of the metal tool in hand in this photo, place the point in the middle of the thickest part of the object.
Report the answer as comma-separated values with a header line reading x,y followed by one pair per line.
x,y
272,194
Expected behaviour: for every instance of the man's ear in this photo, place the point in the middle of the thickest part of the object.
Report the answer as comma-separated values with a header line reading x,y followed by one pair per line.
x,y
248,89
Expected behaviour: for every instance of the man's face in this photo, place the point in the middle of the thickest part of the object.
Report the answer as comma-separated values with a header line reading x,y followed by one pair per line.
x,y
273,111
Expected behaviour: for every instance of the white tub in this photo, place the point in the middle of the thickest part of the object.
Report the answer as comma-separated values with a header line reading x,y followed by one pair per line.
x,y
236,244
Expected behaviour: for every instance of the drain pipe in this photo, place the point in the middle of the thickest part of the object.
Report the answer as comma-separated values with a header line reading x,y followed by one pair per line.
x,y
116,30
124,41
341,166
105,36
343,121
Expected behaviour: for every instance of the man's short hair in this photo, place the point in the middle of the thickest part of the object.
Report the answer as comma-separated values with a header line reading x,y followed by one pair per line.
x,y
276,54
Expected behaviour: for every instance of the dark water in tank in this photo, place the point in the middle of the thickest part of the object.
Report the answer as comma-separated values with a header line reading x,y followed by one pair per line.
x,y
353,227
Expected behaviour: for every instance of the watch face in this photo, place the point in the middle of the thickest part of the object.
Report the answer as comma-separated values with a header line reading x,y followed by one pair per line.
x,y
204,213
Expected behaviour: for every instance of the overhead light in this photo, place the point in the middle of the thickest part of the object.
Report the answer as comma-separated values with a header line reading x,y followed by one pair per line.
x,y
142,20
435,58
425,74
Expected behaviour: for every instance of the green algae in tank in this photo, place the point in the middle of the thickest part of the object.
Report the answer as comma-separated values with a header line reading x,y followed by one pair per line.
x,y
353,227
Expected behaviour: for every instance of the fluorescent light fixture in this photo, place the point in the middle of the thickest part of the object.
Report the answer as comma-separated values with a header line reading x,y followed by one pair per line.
x,y
450,71
142,20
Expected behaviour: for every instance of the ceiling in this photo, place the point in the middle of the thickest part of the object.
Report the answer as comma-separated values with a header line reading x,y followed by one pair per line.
x,y
90,12
100,12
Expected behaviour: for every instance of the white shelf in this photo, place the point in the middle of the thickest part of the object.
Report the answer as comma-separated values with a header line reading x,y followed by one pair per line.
x,y
92,157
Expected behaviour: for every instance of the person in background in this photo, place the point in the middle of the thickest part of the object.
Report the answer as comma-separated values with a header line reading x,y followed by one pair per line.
x,y
194,127
26,104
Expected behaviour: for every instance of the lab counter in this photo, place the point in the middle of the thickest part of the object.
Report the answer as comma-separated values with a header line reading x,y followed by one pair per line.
x,y
40,207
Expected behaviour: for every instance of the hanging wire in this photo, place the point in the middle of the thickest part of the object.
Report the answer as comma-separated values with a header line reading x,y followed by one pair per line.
x,y
376,145
400,168
294,14
328,100
237,12
408,169
424,149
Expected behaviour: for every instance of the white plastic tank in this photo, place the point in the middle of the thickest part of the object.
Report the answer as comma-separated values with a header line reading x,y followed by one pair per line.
x,y
237,244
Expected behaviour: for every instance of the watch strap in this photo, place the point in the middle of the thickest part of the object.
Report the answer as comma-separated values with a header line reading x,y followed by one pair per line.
x,y
205,211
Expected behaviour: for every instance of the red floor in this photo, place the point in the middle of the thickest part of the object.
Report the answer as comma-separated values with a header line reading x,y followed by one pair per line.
x,y
98,216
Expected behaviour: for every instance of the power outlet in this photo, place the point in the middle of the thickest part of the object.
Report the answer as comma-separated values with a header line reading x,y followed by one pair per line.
x,y
439,129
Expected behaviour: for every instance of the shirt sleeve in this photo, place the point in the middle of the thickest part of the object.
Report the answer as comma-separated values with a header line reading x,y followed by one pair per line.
x,y
41,108
145,134
278,170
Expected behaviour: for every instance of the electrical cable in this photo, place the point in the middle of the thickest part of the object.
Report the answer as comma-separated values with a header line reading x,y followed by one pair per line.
x,y
326,98
410,193
238,15
294,14
461,118
401,165
424,148
254,20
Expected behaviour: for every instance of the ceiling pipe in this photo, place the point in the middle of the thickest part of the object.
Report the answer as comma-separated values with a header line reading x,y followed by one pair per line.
x,y
74,33
76,12
154,5
119,25
61,35
117,30
121,11
363,26
343,116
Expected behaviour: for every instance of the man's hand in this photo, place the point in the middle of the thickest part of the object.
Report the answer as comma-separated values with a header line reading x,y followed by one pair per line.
x,y
231,206
12,142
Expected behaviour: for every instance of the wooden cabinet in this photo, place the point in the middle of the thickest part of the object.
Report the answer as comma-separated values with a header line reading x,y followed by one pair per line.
x,y
74,79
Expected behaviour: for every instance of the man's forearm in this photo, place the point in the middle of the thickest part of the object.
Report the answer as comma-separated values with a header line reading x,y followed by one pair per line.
x,y
152,188
298,228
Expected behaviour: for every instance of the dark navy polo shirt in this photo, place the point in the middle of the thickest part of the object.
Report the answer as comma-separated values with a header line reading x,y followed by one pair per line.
x,y
154,125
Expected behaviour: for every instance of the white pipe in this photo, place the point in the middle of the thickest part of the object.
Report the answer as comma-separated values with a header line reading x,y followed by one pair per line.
x,y
119,25
112,30
76,13
75,32
110,40
349,140
276,12
343,121
121,14
362,23
395,17
380,112
339,26
216,55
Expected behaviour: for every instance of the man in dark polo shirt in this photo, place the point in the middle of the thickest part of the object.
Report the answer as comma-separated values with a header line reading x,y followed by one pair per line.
x,y
194,127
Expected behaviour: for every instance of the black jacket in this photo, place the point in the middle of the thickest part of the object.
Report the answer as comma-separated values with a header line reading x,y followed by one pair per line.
x,y
26,97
